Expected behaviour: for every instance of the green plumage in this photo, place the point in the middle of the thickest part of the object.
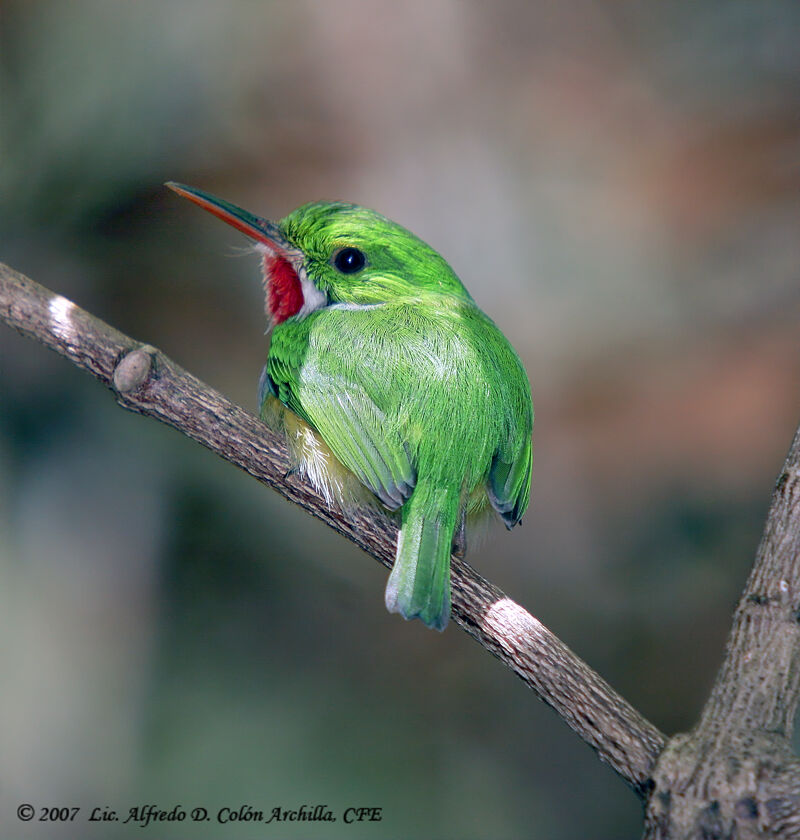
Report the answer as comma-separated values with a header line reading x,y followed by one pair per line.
x,y
413,389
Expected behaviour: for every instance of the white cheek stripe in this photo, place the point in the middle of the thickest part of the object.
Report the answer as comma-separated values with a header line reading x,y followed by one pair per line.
x,y
313,298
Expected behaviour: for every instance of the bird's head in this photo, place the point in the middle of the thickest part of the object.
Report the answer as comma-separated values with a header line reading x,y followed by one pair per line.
x,y
327,253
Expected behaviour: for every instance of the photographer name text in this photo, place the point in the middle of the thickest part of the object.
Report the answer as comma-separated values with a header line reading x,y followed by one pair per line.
x,y
142,816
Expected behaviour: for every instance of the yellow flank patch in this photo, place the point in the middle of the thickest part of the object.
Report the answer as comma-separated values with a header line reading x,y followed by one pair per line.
x,y
312,457
477,501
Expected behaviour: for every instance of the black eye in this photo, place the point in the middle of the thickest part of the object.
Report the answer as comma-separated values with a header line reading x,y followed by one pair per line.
x,y
349,260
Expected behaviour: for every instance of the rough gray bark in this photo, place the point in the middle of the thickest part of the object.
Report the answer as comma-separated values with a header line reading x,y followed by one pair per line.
x,y
733,776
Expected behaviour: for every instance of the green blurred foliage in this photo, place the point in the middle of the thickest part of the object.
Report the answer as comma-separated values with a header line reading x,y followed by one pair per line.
x,y
617,185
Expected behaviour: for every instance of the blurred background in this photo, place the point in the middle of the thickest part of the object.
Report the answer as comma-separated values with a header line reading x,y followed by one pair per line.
x,y
617,185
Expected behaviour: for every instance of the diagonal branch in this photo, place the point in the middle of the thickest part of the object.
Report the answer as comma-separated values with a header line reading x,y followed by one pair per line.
x,y
145,380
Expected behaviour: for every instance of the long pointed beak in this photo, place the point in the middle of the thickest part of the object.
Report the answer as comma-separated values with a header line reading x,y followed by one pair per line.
x,y
262,230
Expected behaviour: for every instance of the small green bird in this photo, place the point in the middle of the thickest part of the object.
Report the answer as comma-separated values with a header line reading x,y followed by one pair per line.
x,y
384,374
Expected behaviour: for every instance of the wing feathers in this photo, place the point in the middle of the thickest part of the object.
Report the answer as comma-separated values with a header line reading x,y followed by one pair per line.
x,y
509,485
361,437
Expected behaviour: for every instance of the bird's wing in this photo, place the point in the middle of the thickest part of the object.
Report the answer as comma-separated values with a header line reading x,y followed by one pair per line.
x,y
362,438
351,424
509,484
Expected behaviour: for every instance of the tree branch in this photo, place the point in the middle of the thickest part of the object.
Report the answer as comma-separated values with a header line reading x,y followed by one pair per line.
x,y
734,775
144,380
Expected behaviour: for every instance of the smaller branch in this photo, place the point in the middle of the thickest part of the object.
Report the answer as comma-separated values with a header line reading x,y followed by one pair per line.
x,y
735,775
146,381
758,686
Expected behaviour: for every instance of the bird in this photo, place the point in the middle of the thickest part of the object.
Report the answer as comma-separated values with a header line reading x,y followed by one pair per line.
x,y
390,384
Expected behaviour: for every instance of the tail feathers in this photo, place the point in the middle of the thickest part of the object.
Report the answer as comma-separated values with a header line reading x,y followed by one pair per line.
x,y
419,585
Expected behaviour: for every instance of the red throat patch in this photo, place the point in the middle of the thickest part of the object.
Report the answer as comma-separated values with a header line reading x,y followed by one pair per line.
x,y
284,292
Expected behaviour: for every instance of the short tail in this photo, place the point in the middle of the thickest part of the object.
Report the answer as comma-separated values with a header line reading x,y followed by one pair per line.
x,y
419,585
